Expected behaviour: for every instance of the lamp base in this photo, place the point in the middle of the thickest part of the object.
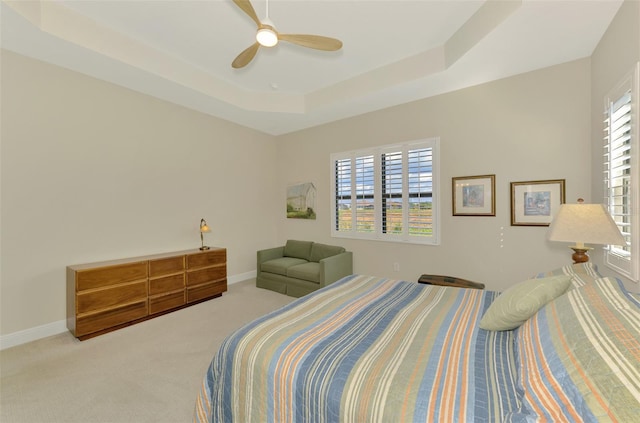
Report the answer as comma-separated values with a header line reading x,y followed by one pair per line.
x,y
204,247
580,255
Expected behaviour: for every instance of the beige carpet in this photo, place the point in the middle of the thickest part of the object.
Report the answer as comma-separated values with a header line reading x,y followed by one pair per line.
x,y
150,372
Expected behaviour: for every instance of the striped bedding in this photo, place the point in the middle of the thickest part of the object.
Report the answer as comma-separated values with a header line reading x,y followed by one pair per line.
x,y
579,357
365,349
380,350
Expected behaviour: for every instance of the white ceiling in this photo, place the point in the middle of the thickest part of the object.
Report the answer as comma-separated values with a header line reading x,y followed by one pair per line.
x,y
394,51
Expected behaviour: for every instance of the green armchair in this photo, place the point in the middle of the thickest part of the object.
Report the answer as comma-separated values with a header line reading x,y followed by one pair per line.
x,y
301,267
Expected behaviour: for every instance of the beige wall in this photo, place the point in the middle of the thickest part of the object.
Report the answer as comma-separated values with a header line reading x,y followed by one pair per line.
x,y
529,127
614,57
92,171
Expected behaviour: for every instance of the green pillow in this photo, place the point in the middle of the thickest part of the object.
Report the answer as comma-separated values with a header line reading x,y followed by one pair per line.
x,y
518,303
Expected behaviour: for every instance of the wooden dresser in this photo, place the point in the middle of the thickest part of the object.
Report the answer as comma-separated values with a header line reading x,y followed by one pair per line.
x,y
109,295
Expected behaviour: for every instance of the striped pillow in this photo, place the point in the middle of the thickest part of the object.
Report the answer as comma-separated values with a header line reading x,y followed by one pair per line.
x,y
579,357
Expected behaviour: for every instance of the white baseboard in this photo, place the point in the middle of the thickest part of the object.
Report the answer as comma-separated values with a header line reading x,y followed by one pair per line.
x,y
50,329
32,334
241,277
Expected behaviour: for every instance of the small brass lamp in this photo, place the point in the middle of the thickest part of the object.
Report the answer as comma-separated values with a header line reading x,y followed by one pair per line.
x,y
203,228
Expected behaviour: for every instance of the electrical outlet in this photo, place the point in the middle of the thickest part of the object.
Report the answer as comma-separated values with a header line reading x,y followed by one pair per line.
x,y
396,267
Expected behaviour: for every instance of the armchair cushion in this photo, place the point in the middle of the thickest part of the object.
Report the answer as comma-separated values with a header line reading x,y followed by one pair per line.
x,y
321,251
309,272
280,266
298,249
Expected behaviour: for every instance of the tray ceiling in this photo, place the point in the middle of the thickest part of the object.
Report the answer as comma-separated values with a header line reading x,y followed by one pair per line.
x,y
394,51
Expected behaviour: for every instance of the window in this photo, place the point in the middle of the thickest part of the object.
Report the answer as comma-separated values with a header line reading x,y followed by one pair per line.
x,y
389,193
621,174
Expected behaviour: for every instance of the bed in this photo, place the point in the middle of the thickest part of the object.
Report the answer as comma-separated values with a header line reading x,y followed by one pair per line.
x,y
379,350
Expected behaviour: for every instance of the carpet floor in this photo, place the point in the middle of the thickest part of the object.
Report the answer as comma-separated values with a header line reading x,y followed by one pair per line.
x,y
149,372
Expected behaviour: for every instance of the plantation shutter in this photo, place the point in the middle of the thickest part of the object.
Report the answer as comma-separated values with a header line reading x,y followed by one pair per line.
x,y
364,186
617,168
392,183
386,193
343,203
420,181
622,173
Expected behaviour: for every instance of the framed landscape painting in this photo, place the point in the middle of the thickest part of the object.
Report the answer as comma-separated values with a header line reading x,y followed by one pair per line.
x,y
534,203
474,195
301,201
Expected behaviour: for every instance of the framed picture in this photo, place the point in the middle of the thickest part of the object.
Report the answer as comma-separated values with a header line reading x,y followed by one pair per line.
x,y
534,203
301,201
474,195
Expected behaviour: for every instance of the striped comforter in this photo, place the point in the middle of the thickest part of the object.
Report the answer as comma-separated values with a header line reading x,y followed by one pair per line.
x,y
366,349
579,356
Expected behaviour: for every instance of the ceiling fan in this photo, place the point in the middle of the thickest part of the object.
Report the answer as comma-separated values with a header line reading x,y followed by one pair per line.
x,y
267,36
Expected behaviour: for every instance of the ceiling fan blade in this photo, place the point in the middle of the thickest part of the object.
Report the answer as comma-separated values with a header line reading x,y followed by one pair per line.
x,y
247,8
246,56
317,42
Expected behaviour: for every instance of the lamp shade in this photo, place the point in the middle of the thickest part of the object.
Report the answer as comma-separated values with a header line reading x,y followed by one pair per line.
x,y
585,223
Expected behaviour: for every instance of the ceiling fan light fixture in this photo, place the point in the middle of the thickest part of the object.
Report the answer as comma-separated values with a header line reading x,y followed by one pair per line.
x,y
267,37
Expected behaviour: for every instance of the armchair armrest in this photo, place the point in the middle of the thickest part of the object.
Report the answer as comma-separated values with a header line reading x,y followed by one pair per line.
x,y
335,267
269,254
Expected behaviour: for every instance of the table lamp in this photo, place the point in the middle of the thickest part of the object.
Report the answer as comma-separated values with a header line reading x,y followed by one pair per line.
x,y
203,228
584,223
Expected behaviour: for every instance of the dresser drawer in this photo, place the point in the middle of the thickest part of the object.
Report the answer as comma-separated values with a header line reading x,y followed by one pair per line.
x,y
209,274
206,290
110,275
166,302
110,297
166,266
113,317
166,284
205,259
